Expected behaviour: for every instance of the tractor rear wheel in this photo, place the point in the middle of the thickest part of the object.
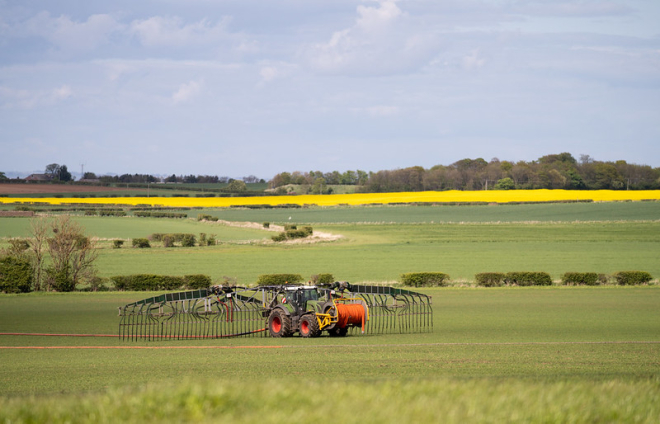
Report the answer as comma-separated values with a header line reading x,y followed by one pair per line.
x,y
279,324
338,332
309,326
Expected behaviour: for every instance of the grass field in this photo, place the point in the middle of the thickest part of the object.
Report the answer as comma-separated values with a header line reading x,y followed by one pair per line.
x,y
556,354
515,354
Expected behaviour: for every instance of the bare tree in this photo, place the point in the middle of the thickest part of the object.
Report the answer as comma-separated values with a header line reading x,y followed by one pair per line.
x,y
72,255
39,230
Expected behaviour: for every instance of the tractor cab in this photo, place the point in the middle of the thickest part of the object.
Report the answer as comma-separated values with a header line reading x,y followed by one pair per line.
x,y
299,296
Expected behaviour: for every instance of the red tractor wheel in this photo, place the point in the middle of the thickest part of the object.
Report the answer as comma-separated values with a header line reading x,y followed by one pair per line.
x,y
279,324
309,326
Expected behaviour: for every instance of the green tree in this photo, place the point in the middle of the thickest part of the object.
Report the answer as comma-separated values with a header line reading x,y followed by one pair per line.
x,y
237,186
505,184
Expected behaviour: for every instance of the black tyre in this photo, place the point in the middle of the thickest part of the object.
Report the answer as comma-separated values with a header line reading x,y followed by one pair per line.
x,y
309,326
338,332
279,324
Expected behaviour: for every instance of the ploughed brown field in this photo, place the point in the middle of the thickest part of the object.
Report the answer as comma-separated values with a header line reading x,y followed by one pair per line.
x,y
29,188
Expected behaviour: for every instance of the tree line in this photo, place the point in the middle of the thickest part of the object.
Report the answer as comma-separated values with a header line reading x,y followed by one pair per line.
x,y
555,171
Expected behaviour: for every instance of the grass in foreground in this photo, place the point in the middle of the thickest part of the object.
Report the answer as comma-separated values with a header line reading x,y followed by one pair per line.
x,y
320,400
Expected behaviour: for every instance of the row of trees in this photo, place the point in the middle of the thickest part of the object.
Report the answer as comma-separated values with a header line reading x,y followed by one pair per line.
x,y
556,171
58,255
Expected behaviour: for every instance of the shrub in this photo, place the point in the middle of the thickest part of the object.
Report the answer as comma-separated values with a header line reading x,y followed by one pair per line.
x,y
210,241
580,278
308,230
15,275
295,234
528,278
91,212
425,279
202,239
323,279
197,281
279,237
205,217
147,282
288,227
168,240
490,279
117,244
279,279
60,279
141,243
631,278
266,224
188,240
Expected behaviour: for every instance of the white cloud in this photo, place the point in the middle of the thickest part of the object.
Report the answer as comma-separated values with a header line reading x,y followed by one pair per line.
x,y
187,91
173,32
69,35
383,40
11,98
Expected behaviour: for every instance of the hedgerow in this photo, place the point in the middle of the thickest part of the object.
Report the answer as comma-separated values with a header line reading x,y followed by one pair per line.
x,y
490,279
580,278
279,279
424,279
153,282
631,278
525,278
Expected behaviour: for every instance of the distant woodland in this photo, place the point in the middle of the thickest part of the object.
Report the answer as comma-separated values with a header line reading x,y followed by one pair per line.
x,y
556,171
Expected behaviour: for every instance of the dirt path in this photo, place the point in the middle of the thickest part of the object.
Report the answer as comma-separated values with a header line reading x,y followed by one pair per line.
x,y
316,237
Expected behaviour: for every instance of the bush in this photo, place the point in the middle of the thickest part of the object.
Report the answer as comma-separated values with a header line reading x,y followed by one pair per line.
x,y
188,240
91,212
266,224
197,281
210,241
288,227
168,240
323,279
528,278
148,282
60,280
117,244
424,279
204,217
141,243
490,279
631,278
279,237
202,239
580,278
279,279
15,275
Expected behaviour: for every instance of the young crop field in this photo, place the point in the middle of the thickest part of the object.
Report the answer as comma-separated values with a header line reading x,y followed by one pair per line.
x,y
509,354
512,354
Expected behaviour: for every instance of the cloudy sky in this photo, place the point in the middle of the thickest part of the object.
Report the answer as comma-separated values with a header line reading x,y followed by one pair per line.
x,y
240,87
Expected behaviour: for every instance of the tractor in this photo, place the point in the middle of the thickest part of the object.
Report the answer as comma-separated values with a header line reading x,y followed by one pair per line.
x,y
338,309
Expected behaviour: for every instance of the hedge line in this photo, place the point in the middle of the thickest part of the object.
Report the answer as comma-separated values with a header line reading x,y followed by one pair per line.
x,y
496,279
292,232
279,279
152,282
424,279
144,214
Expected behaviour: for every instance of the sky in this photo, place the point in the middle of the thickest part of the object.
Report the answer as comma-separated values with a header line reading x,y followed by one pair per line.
x,y
257,87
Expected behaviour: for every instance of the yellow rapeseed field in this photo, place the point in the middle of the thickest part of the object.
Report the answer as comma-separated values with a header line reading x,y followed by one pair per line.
x,y
493,196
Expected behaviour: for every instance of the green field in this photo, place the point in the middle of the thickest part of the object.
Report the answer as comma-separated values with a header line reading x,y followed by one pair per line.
x,y
510,348
555,354
381,243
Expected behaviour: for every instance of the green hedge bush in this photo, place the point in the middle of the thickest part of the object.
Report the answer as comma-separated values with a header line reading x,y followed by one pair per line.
x,y
631,278
580,278
525,278
145,214
424,279
141,243
279,279
490,279
197,281
323,278
205,217
15,275
153,282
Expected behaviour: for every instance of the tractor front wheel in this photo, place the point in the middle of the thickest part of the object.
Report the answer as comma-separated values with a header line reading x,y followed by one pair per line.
x,y
279,324
309,326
